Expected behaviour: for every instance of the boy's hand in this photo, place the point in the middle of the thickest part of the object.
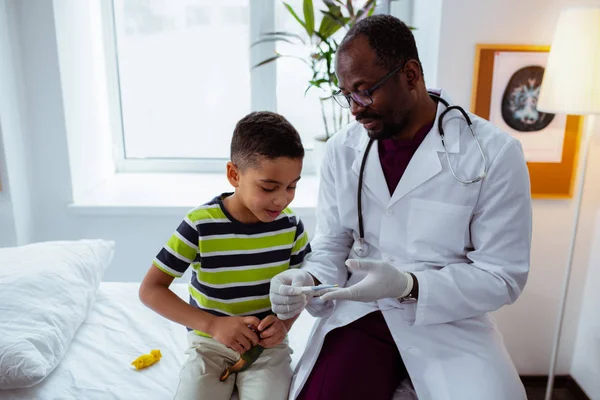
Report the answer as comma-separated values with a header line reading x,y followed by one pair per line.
x,y
235,332
272,331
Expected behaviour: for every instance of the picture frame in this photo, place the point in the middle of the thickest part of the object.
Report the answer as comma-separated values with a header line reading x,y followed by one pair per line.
x,y
506,81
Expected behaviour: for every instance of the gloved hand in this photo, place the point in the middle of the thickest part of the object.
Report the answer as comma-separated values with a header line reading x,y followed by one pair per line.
x,y
381,282
287,299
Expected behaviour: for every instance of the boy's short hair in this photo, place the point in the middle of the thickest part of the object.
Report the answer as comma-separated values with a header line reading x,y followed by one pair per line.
x,y
264,134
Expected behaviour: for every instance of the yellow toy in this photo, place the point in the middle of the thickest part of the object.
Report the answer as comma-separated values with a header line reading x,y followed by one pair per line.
x,y
146,360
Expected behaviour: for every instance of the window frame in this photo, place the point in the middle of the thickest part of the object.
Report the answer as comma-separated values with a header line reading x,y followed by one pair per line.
x,y
262,93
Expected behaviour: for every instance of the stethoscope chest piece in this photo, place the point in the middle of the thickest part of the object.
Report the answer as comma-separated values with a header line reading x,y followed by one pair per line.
x,y
361,248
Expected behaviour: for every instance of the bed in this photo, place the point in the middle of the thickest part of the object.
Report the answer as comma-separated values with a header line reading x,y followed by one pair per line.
x,y
65,335
117,330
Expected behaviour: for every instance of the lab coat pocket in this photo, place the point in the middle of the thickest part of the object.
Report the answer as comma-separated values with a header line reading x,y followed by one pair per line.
x,y
437,231
408,311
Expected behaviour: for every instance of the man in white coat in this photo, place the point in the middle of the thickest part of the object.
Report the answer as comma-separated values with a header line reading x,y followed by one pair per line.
x,y
442,253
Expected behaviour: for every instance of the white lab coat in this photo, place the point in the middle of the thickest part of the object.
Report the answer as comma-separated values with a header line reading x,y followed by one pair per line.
x,y
468,246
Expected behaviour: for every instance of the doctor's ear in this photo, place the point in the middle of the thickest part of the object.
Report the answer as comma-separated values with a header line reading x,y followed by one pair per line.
x,y
233,174
412,70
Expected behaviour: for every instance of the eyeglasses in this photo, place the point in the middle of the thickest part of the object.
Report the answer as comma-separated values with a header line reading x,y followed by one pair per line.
x,y
362,97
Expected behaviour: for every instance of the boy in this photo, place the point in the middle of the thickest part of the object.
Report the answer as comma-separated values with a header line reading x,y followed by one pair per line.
x,y
235,244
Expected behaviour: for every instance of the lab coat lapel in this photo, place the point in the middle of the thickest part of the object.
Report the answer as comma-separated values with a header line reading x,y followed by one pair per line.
x,y
373,179
424,165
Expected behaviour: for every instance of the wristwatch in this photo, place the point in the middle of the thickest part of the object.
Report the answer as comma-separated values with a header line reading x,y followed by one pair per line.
x,y
408,299
413,295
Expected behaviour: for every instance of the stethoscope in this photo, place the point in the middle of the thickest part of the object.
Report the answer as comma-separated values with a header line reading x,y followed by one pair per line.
x,y
360,247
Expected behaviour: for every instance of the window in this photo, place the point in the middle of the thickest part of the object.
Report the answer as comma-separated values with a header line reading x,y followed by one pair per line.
x,y
183,74
180,77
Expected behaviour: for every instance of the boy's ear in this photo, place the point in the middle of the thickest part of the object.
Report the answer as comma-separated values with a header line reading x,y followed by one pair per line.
x,y
233,174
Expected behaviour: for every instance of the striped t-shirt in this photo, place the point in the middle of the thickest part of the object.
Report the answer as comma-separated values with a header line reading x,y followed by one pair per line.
x,y
232,262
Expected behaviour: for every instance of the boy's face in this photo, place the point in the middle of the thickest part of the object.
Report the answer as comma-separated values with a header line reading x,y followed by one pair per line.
x,y
266,190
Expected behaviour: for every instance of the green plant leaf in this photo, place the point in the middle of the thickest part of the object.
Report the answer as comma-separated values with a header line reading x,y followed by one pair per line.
x,y
309,16
271,39
334,8
366,10
328,27
286,34
318,82
340,20
268,60
278,56
294,57
350,8
291,10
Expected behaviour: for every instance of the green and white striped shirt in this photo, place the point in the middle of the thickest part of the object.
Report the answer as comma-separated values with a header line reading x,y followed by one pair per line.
x,y
232,262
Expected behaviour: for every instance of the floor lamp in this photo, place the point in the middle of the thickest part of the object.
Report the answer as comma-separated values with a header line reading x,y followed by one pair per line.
x,y
571,85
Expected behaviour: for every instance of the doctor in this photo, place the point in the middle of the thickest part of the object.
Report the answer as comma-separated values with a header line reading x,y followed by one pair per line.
x,y
446,236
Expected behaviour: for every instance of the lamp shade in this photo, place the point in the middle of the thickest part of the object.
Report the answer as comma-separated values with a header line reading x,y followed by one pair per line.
x,y
571,82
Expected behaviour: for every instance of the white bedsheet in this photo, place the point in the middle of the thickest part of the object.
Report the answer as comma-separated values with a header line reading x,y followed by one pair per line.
x,y
118,329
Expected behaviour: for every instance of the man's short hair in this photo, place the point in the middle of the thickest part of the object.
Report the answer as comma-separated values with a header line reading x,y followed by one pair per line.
x,y
390,38
264,134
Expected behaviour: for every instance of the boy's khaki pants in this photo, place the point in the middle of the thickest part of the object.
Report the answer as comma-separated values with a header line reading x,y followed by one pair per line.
x,y
268,378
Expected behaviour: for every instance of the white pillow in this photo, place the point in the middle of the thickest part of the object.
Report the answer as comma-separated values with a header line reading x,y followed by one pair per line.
x,y
46,292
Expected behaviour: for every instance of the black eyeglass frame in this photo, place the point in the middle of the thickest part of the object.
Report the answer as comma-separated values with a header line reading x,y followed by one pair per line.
x,y
345,100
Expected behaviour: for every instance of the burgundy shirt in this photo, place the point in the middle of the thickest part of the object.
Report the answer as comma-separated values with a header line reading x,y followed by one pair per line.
x,y
395,155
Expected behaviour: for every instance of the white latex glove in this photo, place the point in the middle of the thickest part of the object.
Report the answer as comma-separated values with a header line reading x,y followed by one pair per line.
x,y
381,282
287,299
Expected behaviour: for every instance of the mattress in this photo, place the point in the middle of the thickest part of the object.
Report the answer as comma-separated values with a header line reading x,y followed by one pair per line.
x,y
118,329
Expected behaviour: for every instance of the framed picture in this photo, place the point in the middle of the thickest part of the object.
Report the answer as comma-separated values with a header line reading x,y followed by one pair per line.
x,y
506,85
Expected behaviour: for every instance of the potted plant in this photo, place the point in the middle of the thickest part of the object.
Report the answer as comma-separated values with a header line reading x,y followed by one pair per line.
x,y
323,46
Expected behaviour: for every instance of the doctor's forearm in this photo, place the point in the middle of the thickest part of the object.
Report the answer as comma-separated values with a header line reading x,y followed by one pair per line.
x,y
460,291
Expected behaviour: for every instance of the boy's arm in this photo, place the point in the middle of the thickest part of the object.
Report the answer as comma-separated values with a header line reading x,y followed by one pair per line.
x,y
156,295
171,262
233,332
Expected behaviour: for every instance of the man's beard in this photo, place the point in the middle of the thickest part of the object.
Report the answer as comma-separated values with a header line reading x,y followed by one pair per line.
x,y
387,131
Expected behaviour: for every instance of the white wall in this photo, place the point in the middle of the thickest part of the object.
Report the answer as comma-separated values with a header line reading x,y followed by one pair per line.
x,y
7,223
16,220
140,235
528,325
426,18
85,94
586,360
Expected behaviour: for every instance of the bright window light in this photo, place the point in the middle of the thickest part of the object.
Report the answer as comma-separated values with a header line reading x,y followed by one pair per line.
x,y
183,75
